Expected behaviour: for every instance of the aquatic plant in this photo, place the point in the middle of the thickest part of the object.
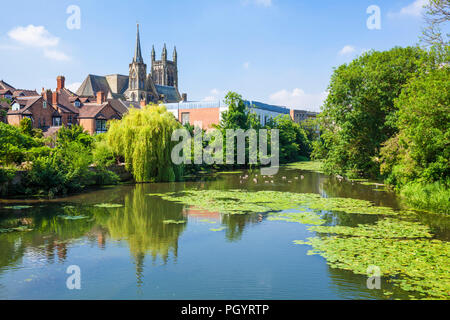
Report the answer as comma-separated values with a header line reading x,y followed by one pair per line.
x,y
16,229
386,228
17,207
67,217
174,221
108,205
243,202
218,229
401,249
299,217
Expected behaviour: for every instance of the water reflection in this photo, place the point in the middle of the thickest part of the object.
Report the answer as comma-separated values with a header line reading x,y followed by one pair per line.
x,y
139,224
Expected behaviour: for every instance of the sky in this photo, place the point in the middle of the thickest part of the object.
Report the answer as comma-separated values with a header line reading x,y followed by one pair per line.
x,y
275,51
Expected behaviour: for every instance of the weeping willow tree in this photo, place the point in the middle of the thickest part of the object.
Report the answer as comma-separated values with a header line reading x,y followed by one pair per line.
x,y
143,139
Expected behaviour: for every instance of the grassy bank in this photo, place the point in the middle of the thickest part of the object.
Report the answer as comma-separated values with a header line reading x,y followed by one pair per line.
x,y
434,197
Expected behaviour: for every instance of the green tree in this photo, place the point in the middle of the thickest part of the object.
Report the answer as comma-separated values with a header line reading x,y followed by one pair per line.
x,y
421,149
359,113
294,143
75,133
143,139
14,144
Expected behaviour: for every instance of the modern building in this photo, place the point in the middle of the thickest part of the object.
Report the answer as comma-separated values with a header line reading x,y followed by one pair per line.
x,y
300,116
161,84
207,114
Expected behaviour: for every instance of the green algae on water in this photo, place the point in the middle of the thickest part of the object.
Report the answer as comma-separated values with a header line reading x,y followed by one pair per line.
x,y
174,221
207,221
218,229
244,202
66,217
403,250
16,229
386,228
108,205
310,218
17,207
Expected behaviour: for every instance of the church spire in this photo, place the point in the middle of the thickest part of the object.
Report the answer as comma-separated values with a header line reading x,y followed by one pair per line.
x,y
137,51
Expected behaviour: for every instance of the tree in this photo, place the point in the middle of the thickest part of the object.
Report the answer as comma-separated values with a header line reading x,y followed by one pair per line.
x,y
421,150
143,139
437,14
359,113
294,143
75,133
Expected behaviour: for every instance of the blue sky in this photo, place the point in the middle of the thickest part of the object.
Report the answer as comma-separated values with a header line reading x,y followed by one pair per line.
x,y
274,51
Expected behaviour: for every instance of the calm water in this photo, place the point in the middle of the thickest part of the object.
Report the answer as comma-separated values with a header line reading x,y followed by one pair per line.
x,y
129,253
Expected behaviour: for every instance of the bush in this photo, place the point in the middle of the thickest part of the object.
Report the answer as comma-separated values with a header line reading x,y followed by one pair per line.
x,y
102,153
435,197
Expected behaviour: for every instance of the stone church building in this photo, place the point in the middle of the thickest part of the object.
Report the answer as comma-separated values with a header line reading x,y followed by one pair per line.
x,y
160,85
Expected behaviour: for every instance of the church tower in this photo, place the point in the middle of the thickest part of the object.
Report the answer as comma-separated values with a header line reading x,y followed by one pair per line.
x,y
164,71
137,74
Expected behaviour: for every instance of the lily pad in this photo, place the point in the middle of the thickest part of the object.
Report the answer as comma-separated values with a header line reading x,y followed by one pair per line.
x,y
108,205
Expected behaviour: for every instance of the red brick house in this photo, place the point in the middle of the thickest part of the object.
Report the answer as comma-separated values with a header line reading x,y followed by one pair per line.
x,y
35,108
52,109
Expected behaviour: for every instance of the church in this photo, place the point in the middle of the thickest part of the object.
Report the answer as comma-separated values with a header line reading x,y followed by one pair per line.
x,y
160,85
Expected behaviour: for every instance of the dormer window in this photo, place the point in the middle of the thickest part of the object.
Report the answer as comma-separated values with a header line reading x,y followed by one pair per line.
x,y
77,104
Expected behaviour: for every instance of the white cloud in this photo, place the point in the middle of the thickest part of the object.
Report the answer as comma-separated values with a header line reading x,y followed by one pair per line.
x,y
262,3
34,36
414,9
38,37
246,65
56,55
347,50
215,95
74,86
298,99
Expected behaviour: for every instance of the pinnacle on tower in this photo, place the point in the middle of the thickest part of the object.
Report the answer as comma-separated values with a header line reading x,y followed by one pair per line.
x,y
137,51
153,53
175,54
164,53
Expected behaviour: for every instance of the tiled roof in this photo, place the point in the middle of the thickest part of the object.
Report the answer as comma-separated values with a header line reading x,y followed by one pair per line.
x,y
64,101
92,84
25,93
91,110
6,86
171,94
118,105
25,104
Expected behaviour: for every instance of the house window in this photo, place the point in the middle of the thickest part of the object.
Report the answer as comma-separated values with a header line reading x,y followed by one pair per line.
x,y
56,121
77,103
100,126
44,104
69,120
185,118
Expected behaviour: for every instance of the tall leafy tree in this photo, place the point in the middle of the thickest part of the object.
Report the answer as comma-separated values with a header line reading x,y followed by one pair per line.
x,y
359,113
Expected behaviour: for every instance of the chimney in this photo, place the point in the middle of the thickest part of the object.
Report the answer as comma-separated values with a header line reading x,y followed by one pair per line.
x,y
100,97
184,97
55,98
60,82
47,95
